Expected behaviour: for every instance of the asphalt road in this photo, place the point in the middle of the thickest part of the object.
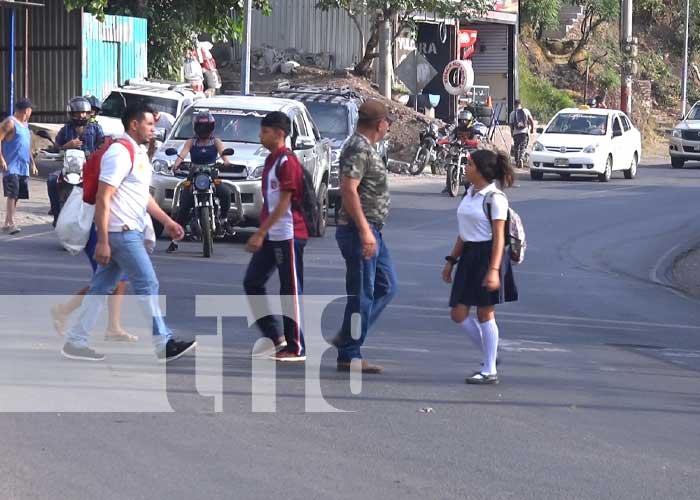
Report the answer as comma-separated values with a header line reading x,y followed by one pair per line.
x,y
599,396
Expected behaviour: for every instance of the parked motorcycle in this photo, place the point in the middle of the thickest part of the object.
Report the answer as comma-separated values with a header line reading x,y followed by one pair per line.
x,y
203,223
60,183
432,150
460,152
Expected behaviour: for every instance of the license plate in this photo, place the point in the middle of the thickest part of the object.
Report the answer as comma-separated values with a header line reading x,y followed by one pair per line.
x,y
561,162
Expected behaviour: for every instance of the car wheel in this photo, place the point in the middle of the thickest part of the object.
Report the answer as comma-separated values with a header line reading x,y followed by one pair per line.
x,y
323,210
677,162
605,176
536,176
631,172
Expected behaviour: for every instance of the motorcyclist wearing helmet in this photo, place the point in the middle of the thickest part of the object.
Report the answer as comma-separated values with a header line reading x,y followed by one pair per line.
x,y
465,122
77,133
95,107
203,149
80,132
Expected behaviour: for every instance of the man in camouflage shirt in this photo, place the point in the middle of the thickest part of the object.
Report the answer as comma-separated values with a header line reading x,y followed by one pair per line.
x,y
370,279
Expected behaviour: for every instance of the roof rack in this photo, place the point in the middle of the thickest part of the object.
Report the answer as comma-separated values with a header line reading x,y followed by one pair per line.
x,y
158,84
286,87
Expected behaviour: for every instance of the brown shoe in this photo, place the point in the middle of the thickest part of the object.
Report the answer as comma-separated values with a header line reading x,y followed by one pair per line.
x,y
344,366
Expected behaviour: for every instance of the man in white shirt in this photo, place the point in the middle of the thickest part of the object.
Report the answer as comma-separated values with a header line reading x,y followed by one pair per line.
x,y
521,126
121,217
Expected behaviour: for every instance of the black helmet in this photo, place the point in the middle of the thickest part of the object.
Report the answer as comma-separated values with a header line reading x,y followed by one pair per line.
x,y
204,124
95,103
78,105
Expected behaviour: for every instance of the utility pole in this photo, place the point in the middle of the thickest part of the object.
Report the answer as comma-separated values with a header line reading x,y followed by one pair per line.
x,y
629,48
685,58
385,66
245,59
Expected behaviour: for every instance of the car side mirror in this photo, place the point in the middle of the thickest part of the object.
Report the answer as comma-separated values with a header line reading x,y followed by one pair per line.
x,y
681,116
171,152
159,134
304,142
227,152
540,130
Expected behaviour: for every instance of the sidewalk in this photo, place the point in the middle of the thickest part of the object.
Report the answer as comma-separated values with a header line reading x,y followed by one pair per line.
x,y
34,211
686,272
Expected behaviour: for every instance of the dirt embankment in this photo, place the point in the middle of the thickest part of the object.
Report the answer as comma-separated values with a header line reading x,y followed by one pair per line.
x,y
403,136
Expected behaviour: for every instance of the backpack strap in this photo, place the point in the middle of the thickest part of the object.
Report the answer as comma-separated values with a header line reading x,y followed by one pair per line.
x,y
488,200
130,148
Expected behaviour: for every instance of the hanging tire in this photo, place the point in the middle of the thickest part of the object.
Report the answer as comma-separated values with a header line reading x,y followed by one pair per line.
x,y
605,176
207,232
322,211
453,180
631,172
419,162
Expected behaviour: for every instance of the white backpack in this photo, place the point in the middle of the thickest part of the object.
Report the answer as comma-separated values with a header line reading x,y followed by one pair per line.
x,y
515,230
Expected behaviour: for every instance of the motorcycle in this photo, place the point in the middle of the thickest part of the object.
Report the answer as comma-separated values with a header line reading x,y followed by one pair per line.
x,y
203,222
431,150
60,184
459,153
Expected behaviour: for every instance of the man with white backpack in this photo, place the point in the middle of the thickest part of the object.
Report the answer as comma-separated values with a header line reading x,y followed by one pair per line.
x,y
122,207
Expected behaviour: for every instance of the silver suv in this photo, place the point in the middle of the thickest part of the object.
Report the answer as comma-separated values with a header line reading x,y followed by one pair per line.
x,y
335,111
685,139
238,126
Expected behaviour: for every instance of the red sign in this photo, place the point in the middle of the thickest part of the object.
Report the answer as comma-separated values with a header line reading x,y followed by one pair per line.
x,y
467,39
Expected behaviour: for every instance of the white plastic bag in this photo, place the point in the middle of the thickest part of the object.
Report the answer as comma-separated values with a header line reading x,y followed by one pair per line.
x,y
193,70
74,222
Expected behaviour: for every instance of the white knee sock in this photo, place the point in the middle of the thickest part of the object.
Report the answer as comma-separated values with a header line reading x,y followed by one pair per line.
x,y
489,335
471,326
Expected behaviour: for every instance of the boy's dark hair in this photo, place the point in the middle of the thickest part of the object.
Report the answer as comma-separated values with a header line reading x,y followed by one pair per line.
x,y
135,111
278,120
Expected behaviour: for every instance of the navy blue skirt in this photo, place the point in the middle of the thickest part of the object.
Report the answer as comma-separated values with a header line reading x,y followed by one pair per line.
x,y
474,263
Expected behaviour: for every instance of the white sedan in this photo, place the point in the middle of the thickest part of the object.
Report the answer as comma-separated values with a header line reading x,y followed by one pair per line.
x,y
587,141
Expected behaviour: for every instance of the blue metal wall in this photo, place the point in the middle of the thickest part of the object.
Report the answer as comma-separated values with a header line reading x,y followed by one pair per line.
x,y
112,52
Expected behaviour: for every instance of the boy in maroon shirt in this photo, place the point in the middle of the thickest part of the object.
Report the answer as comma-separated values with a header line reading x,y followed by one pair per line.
x,y
280,241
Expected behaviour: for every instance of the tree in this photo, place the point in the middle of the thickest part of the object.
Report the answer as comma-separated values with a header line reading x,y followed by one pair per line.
x,y
595,13
173,24
404,11
540,15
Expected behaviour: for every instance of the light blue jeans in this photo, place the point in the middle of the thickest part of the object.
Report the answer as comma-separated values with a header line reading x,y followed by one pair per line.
x,y
129,256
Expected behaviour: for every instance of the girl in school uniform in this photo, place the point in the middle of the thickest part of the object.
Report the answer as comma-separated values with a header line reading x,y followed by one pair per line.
x,y
484,276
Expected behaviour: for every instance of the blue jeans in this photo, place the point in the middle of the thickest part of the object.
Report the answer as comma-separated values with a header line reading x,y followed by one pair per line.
x,y
129,256
370,286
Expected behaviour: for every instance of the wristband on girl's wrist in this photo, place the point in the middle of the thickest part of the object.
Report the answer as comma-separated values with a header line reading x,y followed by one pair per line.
x,y
451,260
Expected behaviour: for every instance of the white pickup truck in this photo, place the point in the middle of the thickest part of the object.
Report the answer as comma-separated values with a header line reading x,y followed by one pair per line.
x,y
238,126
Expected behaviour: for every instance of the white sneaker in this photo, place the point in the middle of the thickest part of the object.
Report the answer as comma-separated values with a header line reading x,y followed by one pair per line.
x,y
267,351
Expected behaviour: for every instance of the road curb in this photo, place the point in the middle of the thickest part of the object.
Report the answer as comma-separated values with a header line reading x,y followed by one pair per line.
x,y
662,272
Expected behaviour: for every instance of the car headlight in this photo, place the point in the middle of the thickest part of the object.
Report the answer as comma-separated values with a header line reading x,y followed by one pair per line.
x,y
257,173
161,166
676,133
202,182
590,149
335,166
538,147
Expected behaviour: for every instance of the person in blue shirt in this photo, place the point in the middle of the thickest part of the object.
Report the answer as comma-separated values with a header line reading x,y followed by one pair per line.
x,y
79,133
16,160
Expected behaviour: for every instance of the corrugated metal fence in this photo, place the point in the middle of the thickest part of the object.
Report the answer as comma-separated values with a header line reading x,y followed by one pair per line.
x,y
112,52
54,58
298,24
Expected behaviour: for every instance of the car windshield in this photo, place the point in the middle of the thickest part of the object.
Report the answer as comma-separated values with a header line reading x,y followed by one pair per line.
x,y
694,113
331,119
115,103
578,124
232,125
